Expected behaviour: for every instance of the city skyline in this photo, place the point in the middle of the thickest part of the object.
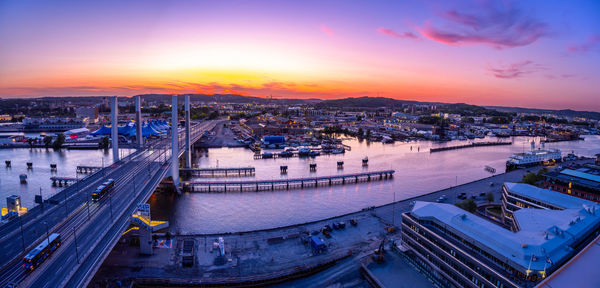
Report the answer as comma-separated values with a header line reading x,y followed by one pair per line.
x,y
528,54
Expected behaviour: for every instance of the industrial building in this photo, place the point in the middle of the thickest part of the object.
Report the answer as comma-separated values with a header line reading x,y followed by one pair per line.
x,y
582,181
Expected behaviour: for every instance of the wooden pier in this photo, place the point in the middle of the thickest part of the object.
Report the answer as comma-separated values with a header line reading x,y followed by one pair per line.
x,y
285,184
87,169
470,145
218,172
62,181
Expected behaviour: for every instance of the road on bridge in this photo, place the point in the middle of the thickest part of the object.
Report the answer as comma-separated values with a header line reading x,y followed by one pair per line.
x,y
88,229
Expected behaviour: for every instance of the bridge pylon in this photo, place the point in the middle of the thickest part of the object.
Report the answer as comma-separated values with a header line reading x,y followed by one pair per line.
x,y
188,150
174,142
114,112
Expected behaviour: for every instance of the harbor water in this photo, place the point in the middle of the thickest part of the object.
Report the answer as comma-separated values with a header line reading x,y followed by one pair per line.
x,y
417,172
39,176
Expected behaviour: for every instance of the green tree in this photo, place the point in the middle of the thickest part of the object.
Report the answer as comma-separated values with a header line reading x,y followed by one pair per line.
x,y
60,140
104,142
530,178
468,205
47,141
489,196
468,120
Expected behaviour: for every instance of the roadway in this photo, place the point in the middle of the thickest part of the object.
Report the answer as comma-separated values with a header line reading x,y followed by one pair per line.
x,y
96,225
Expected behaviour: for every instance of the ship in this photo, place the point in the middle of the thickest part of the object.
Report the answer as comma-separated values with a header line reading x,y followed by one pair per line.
x,y
533,157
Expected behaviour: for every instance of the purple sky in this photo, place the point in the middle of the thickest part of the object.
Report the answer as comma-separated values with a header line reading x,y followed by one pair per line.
x,y
542,54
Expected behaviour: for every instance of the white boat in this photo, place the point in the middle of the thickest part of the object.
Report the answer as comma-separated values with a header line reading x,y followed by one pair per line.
x,y
533,157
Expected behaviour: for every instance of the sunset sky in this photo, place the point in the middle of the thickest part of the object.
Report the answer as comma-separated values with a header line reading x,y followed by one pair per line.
x,y
543,54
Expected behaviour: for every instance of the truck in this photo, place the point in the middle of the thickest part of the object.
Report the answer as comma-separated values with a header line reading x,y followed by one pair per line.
x,y
317,244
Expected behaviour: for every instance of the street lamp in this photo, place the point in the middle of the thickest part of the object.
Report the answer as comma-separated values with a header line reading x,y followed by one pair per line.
x,y
47,232
22,235
394,209
76,249
42,199
66,209
110,204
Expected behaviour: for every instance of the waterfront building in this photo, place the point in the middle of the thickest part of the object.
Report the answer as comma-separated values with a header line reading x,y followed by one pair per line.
x,y
89,114
581,181
465,250
42,124
516,196
11,138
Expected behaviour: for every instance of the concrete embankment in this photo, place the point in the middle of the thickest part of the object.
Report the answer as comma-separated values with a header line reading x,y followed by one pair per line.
x,y
270,256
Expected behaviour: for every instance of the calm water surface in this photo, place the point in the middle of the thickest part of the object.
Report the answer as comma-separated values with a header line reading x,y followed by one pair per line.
x,y
39,176
417,172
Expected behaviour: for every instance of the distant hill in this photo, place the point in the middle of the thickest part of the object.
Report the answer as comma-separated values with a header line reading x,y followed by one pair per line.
x,y
564,113
364,102
377,102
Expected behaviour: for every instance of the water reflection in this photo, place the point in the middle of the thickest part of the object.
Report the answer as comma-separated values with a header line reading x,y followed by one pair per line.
x,y
38,176
417,172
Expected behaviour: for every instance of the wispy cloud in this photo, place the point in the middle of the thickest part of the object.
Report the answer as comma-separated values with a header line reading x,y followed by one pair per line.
x,y
590,44
514,70
498,26
392,33
275,88
327,30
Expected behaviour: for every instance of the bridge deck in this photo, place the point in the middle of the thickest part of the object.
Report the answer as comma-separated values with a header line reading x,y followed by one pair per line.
x,y
98,225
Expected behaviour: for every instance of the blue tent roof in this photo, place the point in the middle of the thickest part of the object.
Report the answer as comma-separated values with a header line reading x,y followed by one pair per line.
x,y
158,126
147,130
126,129
104,130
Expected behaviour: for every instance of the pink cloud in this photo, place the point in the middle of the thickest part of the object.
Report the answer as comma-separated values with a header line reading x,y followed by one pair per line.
x,y
392,33
514,70
326,30
589,45
496,26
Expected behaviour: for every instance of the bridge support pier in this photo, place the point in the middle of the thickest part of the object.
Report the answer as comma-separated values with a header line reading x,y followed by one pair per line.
x,y
114,128
188,148
138,122
174,143
145,240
